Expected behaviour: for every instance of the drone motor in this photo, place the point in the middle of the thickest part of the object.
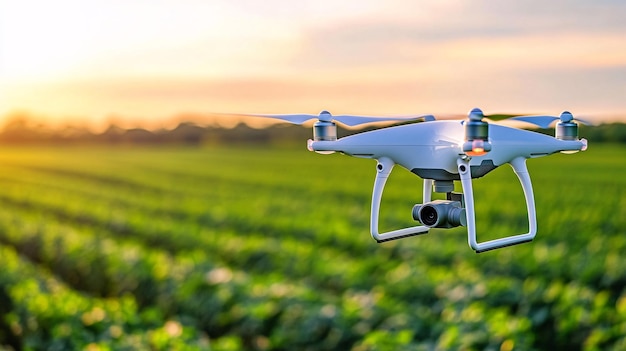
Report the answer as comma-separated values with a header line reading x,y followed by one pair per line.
x,y
566,129
476,134
325,129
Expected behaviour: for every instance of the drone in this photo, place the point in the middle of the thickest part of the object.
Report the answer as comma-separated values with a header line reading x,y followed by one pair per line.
x,y
442,152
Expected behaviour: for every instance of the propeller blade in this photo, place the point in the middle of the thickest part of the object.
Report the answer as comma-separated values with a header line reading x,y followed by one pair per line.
x,y
297,118
352,121
584,121
291,118
348,120
539,121
546,121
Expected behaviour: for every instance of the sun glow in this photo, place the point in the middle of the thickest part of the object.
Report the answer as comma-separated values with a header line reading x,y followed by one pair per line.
x,y
42,41
35,46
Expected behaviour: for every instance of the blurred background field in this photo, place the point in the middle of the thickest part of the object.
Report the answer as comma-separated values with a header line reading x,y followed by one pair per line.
x,y
259,246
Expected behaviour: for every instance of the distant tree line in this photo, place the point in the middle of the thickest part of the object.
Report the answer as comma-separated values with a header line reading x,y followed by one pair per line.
x,y
23,131
613,132
608,132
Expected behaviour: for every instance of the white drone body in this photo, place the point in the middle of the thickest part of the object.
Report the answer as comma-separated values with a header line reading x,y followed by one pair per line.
x,y
444,151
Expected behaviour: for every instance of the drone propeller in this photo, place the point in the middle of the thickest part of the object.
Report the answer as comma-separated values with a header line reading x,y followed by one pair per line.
x,y
542,121
348,120
325,128
566,128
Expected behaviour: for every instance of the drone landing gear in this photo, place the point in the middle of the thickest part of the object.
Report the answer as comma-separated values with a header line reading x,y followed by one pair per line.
x,y
457,210
384,167
519,167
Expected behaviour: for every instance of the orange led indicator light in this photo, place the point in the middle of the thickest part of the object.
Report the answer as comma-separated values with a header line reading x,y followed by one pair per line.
x,y
478,148
477,151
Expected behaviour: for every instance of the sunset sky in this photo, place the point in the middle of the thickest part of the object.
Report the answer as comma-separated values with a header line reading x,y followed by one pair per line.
x,y
150,60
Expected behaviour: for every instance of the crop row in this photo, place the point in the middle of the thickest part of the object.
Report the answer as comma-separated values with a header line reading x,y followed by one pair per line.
x,y
212,210
261,253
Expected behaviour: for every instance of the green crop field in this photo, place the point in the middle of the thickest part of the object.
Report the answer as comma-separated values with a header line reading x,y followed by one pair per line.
x,y
255,248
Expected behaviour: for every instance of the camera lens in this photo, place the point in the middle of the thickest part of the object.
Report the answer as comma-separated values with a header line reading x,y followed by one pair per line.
x,y
428,215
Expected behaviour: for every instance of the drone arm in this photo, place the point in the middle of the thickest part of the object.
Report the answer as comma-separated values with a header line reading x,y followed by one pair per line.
x,y
519,167
384,167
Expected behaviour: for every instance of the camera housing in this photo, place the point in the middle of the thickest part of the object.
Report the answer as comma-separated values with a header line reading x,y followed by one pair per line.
x,y
440,214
